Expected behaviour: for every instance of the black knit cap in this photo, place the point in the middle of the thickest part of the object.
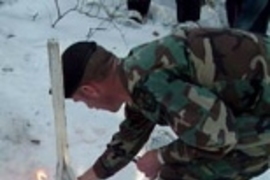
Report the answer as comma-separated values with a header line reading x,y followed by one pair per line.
x,y
74,61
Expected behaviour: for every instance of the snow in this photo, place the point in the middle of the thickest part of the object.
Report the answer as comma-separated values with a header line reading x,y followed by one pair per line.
x,y
27,139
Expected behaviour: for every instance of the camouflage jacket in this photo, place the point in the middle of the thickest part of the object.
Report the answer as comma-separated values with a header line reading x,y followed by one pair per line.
x,y
199,82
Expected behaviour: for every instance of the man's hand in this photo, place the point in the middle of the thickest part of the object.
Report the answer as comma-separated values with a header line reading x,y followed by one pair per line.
x,y
89,175
149,164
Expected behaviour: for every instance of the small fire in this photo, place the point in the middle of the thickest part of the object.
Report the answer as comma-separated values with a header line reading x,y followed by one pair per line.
x,y
41,175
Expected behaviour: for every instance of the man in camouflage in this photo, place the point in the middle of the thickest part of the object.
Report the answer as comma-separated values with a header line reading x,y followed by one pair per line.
x,y
211,86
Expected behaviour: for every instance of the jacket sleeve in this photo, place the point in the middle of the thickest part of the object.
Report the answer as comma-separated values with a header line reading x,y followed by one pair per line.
x,y
204,125
125,144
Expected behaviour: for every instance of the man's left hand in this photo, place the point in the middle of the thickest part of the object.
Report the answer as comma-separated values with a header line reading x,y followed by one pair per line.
x,y
149,164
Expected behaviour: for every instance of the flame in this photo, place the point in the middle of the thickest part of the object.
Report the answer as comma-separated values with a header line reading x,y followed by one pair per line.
x,y
41,175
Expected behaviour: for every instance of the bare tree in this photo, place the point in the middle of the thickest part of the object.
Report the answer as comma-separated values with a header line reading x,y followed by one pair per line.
x,y
61,15
110,15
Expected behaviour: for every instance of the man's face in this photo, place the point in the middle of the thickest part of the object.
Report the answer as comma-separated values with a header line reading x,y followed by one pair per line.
x,y
98,99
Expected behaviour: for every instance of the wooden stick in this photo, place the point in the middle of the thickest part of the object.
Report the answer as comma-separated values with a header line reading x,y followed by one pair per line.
x,y
63,169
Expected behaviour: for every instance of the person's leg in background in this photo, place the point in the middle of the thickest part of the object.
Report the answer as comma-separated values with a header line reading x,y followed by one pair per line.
x,y
233,8
188,10
138,9
260,24
248,15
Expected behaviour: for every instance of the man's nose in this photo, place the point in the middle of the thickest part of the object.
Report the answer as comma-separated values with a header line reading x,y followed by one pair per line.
x,y
75,99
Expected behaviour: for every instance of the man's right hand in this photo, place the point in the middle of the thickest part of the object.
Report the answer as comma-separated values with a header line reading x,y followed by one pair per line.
x,y
89,175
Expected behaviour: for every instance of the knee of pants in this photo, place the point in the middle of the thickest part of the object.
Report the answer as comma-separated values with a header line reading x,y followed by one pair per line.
x,y
176,172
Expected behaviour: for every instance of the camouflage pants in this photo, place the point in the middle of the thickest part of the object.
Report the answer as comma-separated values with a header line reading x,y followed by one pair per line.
x,y
235,166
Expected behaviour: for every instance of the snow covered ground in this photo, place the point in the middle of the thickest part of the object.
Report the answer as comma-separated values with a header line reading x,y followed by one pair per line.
x,y
27,139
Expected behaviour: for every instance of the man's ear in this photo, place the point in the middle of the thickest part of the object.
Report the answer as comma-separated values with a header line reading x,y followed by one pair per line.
x,y
89,90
